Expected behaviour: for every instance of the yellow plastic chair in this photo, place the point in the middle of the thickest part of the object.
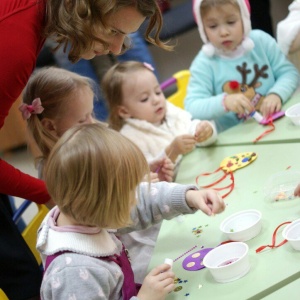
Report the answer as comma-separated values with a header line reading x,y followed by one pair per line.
x,y
30,232
2,295
181,79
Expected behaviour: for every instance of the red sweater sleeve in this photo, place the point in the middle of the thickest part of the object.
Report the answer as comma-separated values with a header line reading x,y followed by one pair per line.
x,y
21,25
14,182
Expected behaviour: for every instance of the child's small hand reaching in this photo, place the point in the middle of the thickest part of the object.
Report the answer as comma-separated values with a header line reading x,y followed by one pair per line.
x,y
204,131
207,200
157,284
238,103
297,191
182,144
270,105
164,168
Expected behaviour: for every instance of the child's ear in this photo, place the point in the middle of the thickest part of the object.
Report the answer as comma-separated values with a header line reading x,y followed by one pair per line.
x,y
123,112
49,125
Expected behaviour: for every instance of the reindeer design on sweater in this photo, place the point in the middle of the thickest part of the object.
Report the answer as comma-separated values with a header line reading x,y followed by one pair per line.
x,y
234,87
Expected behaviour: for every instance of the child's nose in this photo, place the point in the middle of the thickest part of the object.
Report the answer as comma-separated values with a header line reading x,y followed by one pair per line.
x,y
156,99
223,31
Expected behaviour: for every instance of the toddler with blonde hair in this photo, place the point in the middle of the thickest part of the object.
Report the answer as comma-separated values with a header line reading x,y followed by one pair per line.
x,y
140,111
93,173
54,100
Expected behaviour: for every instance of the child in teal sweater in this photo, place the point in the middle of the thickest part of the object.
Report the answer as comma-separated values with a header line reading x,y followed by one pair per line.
x,y
238,70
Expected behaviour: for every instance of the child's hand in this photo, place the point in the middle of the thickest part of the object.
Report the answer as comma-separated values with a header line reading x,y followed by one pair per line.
x,y
297,191
208,200
238,103
152,177
157,284
182,144
163,168
204,131
270,105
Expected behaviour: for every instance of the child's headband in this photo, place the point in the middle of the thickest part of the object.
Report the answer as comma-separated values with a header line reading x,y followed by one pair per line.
x,y
245,14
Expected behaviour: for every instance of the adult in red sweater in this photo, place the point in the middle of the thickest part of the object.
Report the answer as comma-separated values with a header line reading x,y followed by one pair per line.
x,y
91,28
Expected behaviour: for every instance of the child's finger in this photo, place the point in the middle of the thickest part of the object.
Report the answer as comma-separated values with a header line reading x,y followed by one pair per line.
x,y
165,277
167,174
169,288
218,206
159,269
168,284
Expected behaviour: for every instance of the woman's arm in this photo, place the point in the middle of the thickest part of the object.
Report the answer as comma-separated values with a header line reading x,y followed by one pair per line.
x,y
15,183
20,46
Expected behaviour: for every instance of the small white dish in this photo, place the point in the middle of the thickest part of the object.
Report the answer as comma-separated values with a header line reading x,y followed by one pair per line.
x,y
242,226
292,234
294,114
228,262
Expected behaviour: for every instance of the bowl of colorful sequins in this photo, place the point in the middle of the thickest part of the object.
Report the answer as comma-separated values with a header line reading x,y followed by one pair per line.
x,y
291,233
242,226
228,262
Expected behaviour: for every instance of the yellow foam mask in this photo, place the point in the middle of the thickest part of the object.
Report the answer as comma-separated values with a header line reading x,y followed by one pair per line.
x,y
232,163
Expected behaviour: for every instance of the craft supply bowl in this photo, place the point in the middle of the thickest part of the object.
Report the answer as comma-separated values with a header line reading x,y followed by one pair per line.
x,y
292,234
294,114
242,226
228,262
281,185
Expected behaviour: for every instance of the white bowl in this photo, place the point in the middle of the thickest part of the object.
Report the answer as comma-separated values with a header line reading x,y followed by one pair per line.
x,y
242,226
281,185
292,234
294,114
228,262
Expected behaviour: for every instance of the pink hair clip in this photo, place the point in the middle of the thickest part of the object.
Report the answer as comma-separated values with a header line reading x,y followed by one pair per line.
x,y
35,108
148,66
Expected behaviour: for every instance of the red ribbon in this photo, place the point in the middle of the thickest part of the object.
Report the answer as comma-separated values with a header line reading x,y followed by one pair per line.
x,y
270,123
272,246
226,174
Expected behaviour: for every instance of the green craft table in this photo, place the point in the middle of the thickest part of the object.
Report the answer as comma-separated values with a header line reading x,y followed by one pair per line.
x,y
272,270
290,291
245,133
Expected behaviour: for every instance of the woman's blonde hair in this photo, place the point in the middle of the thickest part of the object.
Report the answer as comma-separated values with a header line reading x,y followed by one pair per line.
x,y
92,174
55,87
112,84
75,22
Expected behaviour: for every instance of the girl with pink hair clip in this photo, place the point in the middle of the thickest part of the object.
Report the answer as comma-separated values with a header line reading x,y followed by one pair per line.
x,y
63,99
